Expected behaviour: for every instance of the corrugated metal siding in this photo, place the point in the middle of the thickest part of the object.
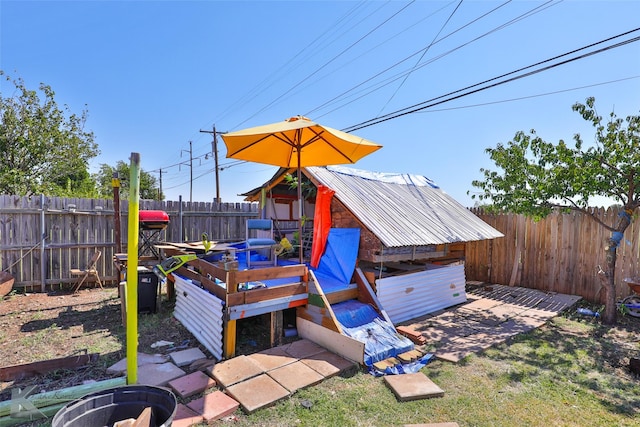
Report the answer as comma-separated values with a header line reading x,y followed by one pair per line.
x,y
413,295
405,214
201,313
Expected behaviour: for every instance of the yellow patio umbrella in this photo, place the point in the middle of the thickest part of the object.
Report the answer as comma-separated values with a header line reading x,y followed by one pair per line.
x,y
296,143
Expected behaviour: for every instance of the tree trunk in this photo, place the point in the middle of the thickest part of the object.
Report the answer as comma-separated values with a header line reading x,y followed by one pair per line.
x,y
610,316
610,308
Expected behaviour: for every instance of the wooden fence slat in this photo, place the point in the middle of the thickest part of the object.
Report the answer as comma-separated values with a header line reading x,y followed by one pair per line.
x,y
559,253
72,236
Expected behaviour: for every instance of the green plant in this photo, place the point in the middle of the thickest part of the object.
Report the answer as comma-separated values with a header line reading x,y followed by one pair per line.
x,y
308,189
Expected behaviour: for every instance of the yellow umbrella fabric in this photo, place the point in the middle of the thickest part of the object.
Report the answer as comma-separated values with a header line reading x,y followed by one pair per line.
x,y
279,144
296,143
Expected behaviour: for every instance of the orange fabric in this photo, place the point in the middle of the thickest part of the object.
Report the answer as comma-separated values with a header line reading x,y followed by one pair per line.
x,y
321,223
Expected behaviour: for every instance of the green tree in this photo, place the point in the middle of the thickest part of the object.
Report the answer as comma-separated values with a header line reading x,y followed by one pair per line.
x,y
44,149
148,184
536,176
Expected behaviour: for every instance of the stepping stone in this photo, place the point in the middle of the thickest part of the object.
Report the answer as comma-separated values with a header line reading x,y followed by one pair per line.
x,y
187,356
258,392
235,370
303,348
120,367
413,386
185,417
328,364
192,384
272,358
202,365
295,376
214,406
159,374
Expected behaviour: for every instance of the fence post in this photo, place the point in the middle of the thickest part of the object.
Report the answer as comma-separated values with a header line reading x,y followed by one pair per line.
x,y
43,264
180,219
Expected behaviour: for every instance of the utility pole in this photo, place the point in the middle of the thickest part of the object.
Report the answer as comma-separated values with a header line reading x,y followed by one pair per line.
x,y
190,171
214,148
160,189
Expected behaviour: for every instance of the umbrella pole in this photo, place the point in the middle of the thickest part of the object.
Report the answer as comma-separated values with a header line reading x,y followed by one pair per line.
x,y
300,210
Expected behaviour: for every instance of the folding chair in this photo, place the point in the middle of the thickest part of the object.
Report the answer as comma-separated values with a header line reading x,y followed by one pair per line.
x,y
263,240
83,274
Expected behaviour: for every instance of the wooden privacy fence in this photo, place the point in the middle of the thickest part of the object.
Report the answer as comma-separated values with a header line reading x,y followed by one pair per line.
x,y
560,253
42,238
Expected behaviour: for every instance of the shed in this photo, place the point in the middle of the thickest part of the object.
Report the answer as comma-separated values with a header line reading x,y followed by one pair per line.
x,y
412,233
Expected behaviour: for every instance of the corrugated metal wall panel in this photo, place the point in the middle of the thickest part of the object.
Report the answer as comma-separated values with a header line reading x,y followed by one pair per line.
x,y
413,295
201,313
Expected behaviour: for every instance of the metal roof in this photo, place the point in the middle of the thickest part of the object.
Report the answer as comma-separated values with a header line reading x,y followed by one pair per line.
x,y
403,209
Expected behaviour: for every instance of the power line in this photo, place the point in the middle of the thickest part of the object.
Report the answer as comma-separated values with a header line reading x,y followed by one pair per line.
x,y
335,57
397,76
520,98
424,52
450,96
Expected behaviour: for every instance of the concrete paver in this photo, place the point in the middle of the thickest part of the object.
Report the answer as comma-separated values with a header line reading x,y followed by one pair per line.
x,y
185,417
214,406
120,367
413,386
257,392
158,374
187,356
303,348
272,358
234,370
295,376
328,364
192,384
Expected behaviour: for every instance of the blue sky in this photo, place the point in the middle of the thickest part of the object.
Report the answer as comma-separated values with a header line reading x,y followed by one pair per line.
x,y
152,74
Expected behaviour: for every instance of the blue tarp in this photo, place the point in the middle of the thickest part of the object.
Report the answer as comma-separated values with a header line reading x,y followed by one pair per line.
x,y
358,320
361,322
340,254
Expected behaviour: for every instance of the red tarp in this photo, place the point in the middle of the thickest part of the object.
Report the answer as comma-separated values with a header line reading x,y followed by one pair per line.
x,y
321,223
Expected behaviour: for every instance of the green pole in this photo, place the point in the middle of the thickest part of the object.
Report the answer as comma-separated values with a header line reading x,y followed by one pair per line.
x,y
132,270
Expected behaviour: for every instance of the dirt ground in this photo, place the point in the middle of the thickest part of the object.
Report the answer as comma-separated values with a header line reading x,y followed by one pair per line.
x,y
43,326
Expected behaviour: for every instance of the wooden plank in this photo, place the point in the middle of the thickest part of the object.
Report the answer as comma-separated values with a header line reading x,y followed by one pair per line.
x,y
326,302
206,268
256,295
403,257
337,343
317,315
316,300
367,296
267,306
320,316
28,370
269,273
206,283
277,328
342,295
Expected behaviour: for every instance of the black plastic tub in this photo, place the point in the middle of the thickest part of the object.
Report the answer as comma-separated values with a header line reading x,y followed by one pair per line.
x,y
106,407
